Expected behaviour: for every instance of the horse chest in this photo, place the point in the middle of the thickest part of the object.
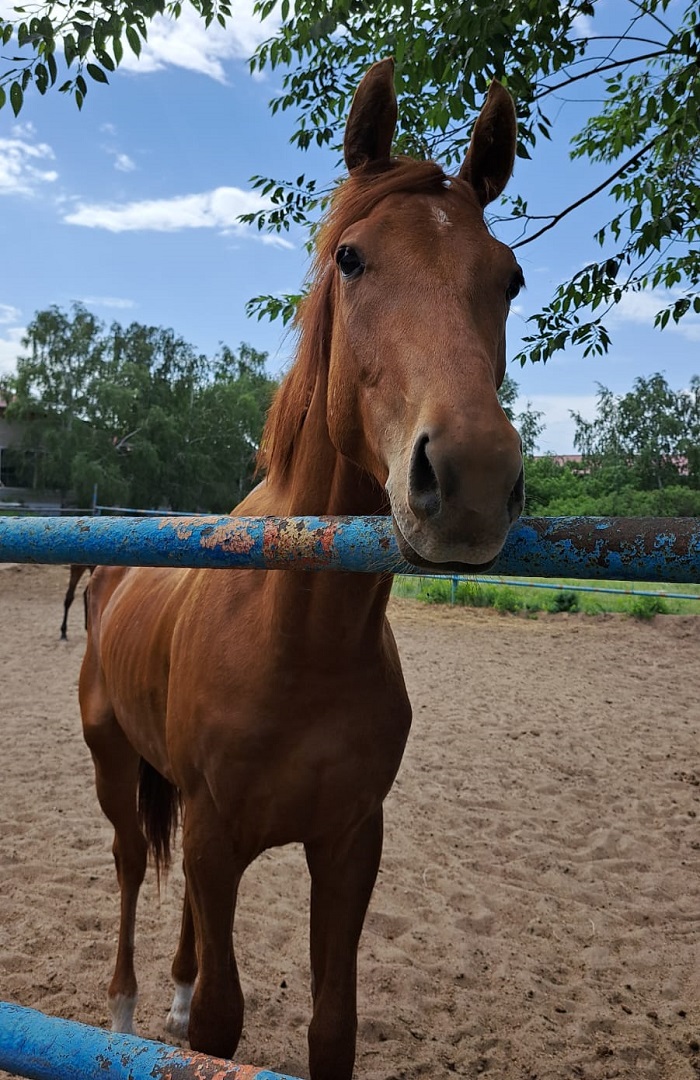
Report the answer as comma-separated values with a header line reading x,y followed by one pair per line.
x,y
288,765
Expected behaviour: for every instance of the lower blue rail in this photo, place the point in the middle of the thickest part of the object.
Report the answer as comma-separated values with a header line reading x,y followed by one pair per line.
x,y
45,1048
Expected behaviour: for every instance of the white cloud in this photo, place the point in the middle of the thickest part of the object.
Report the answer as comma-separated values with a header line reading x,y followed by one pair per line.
x,y
641,307
217,209
8,314
10,345
108,302
689,328
124,163
22,163
556,409
187,43
583,25
24,130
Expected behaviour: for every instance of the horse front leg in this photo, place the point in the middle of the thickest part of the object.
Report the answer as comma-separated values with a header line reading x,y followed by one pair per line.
x,y
213,870
342,878
116,780
184,973
116,775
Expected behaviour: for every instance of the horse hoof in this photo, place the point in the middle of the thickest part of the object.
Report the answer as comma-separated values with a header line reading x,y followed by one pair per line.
x,y
177,1025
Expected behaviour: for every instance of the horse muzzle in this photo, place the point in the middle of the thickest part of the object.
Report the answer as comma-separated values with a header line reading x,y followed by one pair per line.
x,y
453,507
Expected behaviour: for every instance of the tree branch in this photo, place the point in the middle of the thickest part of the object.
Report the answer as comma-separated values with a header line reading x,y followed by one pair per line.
x,y
598,70
618,38
652,15
556,218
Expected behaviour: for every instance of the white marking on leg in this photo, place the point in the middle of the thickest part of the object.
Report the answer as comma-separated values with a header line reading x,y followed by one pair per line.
x,y
178,1019
121,1009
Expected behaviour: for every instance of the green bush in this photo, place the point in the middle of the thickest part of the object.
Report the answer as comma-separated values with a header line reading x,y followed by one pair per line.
x,y
437,592
507,600
646,607
566,600
472,594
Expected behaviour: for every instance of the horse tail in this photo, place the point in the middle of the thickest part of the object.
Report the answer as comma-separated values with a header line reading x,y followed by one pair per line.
x,y
159,813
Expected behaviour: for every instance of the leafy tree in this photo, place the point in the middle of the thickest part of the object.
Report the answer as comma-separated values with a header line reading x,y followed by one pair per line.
x,y
91,38
528,422
233,411
647,131
138,412
650,435
556,489
54,389
640,457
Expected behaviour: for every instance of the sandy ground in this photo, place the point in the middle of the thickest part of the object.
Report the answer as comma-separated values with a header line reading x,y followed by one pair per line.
x,y
537,915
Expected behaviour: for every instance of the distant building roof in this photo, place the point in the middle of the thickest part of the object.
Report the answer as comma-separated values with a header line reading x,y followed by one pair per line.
x,y
560,459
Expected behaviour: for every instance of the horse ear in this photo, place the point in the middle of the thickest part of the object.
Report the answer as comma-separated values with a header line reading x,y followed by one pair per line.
x,y
372,120
491,155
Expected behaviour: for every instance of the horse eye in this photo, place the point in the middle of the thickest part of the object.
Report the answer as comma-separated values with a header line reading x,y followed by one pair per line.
x,y
515,284
349,263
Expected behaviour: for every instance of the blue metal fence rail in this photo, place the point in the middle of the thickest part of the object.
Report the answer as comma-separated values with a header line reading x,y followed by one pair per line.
x,y
45,1048
566,587
622,549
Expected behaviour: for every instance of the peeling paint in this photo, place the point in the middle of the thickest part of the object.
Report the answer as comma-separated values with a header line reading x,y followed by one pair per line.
x,y
234,536
624,549
46,1048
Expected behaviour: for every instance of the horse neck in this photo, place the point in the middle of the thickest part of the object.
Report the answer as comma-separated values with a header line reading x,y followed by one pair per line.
x,y
321,481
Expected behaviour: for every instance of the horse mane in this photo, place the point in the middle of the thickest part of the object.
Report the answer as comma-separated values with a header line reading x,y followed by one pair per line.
x,y
354,200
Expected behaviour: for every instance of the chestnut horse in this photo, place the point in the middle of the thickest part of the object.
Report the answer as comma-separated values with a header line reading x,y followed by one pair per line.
x,y
271,706
76,572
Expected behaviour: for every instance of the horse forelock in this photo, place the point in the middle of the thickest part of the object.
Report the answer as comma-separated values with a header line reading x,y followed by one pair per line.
x,y
353,201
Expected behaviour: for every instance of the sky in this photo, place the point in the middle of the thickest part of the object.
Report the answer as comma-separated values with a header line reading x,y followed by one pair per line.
x,y
131,208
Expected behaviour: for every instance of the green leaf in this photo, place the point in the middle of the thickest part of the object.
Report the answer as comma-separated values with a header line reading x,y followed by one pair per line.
x,y
134,40
41,76
16,98
96,73
106,61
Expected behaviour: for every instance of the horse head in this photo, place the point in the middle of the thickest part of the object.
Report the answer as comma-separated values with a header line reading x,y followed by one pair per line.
x,y
420,296
402,346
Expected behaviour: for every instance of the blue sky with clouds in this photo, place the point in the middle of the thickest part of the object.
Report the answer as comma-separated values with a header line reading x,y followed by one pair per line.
x,y
131,207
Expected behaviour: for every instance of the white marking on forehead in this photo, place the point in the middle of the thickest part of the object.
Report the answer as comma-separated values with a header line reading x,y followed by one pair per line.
x,y
440,216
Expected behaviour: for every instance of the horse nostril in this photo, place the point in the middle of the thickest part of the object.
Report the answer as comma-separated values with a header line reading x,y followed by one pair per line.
x,y
423,487
516,498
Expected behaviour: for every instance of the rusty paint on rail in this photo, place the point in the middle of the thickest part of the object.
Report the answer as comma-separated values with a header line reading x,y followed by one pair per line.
x,y
623,549
43,1047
